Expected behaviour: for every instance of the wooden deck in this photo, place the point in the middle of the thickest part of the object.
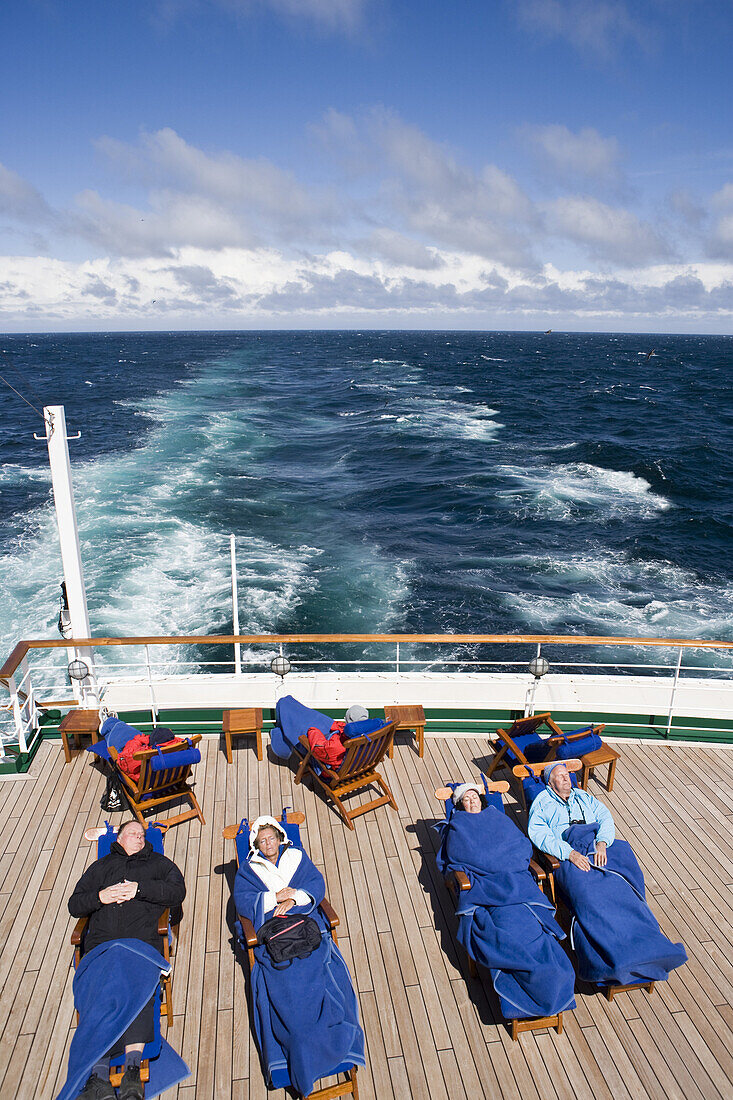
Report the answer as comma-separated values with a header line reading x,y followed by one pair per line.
x,y
430,1031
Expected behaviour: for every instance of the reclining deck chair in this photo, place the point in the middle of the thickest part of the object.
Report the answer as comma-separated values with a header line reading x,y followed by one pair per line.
x,y
358,770
291,820
163,779
457,882
104,837
532,783
522,744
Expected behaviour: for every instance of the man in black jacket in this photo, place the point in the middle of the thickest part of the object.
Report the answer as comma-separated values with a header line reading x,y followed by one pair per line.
x,y
123,895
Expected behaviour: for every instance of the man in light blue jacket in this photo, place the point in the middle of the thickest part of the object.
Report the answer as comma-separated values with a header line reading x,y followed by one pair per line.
x,y
561,805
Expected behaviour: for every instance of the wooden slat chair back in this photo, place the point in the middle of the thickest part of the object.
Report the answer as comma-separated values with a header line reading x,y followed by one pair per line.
x,y
348,1087
358,770
155,788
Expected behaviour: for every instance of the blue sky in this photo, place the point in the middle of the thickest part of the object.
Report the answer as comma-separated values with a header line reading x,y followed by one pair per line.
x,y
382,163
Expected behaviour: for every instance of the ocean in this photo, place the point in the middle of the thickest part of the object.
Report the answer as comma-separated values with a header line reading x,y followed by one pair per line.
x,y
375,482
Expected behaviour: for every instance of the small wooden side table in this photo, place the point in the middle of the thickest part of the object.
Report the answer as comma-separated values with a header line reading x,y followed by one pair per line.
x,y
408,718
592,760
237,722
76,723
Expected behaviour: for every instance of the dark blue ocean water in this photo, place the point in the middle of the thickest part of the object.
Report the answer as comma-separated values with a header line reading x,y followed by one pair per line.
x,y
457,482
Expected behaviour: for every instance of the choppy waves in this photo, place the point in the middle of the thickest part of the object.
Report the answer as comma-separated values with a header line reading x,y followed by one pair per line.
x,y
383,482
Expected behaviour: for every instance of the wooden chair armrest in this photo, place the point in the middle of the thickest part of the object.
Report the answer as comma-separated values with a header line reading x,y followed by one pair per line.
x,y
330,914
248,931
163,922
462,880
539,872
546,861
230,831
78,931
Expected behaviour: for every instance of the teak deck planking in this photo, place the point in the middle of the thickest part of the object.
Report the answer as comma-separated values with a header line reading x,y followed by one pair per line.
x,y
431,1031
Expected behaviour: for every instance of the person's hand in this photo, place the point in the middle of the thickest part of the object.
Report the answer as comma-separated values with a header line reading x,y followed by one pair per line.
x,y
581,862
286,893
283,907
601,858
119,892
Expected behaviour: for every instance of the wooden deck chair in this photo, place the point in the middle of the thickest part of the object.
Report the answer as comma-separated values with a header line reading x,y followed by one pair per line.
x,y
104,837
522,743
551,864
164,775
358,770
291,821
457,882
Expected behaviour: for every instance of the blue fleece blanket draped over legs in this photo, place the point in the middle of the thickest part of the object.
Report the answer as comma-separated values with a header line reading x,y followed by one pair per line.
x,y
112,984
505,922
306,1017
616,937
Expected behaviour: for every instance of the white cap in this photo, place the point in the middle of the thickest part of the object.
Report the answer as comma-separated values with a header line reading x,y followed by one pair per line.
x,y
464,788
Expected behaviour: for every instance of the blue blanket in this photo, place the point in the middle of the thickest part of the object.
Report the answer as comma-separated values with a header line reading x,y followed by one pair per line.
x,y
303,1037
616,937
112,984
505,922
291,720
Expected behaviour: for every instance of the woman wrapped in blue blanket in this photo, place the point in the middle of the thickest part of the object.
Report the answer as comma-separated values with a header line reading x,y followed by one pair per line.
x,y
505,922
616,937
306,1017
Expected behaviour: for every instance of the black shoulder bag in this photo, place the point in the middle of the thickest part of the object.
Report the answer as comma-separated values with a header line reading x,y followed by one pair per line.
x,y
292,936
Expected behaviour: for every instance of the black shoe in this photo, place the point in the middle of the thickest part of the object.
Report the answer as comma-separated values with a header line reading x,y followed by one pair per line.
x,y
97,1088
131,1087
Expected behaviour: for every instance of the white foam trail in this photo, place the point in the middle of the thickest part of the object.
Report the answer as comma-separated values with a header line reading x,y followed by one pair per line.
x,y
612,593
442,417
575,489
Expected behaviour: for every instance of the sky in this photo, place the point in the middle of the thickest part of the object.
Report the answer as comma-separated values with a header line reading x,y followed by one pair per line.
x,y
480,164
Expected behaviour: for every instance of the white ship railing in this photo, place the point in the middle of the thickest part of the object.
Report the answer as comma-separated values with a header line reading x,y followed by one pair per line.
x,y
36,678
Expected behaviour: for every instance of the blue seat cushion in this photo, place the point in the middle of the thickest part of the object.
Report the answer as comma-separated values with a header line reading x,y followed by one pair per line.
x,y
583,745
180,759
532,745
363,728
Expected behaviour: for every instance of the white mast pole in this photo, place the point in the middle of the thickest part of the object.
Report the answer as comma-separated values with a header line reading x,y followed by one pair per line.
x,y
63,496
235,607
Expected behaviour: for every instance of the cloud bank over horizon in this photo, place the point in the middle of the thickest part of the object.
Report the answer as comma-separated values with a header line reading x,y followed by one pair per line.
x,y
366,215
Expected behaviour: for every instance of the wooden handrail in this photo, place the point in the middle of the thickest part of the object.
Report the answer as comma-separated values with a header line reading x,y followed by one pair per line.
x,y
22,648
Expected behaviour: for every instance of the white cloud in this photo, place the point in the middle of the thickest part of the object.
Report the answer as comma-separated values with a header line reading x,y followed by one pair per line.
x,y
570,155
242,287
609,233
720,243
595,26
19,199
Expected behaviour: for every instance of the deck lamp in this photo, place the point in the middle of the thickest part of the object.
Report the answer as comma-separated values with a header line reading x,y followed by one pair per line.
x,y
78,670
280,666
539,666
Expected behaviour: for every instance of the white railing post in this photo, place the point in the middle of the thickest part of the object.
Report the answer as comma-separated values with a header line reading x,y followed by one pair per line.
x,y
30,702
674,690
235,607
153,709
397,659
531,691
17,712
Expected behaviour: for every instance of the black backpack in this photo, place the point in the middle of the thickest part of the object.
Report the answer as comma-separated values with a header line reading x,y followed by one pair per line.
x,y
292,936
113,800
